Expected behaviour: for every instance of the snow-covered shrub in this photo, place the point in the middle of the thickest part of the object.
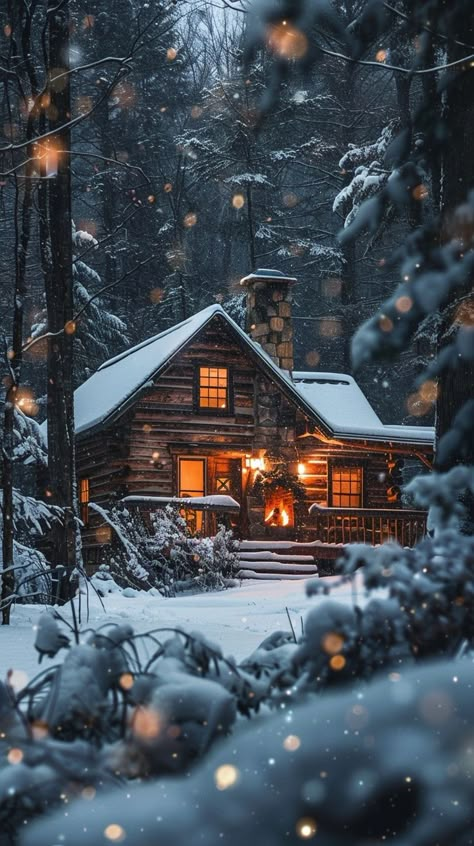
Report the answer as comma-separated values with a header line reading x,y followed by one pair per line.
x,y
391,762
103,582
32,576
162,553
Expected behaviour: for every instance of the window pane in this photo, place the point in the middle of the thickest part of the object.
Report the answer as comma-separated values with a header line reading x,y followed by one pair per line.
x,y
213,387
346,487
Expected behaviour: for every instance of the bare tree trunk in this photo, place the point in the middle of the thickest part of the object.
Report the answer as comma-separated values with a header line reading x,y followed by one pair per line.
x,y
456,386
251,228
348,268
15,362
59,291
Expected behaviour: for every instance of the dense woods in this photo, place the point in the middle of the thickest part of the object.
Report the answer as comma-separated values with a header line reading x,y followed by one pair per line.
x,y
152,154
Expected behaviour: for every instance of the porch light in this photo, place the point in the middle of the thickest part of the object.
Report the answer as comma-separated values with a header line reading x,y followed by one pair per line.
x,y
301,469
257,463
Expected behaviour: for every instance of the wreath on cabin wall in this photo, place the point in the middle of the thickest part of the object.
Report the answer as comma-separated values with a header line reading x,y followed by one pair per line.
x,y
278,478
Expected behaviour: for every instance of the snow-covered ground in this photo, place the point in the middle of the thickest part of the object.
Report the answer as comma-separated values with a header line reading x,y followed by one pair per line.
x,y
237,619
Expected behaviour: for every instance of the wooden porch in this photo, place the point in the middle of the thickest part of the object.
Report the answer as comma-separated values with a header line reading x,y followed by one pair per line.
x,y
365,525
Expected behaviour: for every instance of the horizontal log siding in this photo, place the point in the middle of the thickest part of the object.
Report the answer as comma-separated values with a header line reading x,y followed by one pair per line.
x,y
164,420
317,457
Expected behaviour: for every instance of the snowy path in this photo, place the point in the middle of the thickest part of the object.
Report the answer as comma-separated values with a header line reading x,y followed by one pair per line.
x,y
237,619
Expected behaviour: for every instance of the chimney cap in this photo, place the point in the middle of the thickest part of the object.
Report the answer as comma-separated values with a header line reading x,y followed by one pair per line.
x,y
265,273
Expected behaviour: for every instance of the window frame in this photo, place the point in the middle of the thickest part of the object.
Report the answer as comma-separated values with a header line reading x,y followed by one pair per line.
x,y
214,410
84,497
348,464
187,511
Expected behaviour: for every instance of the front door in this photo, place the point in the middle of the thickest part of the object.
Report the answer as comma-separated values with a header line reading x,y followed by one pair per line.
x,y
192,482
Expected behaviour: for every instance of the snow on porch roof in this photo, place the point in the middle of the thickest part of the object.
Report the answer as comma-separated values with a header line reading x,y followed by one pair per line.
x,y
335,400
338,399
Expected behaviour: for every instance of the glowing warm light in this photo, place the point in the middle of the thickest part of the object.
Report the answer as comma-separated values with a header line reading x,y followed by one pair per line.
x,y
337,662
381,55
306,828
146,428
385,324
48,154
167,187
429,391
114,832
420,192
465,314
290,200
26,402
291,743
417,406
312,358
238,201
301,469
171,54
17,679
278,516
146,723
155,455
404,304
88,21
156,295
70,327
126,681
330,327
190,220
226,776
15,756
7,30
287,41
332,643
88,793
257,463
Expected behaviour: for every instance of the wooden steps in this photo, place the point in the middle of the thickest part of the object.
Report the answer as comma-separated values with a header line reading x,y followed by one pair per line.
x,y
274,560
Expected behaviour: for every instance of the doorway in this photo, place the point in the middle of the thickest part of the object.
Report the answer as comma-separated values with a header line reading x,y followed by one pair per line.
x,y
192,482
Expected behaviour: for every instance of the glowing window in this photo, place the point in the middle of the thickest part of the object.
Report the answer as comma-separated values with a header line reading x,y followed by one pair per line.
x,y
84,497
214,387
192,482
346,487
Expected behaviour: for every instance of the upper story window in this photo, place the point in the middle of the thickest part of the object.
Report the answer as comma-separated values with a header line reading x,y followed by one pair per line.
x,y
213,388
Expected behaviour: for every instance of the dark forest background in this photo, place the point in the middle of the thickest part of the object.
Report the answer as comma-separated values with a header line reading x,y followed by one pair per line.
x,y
181,185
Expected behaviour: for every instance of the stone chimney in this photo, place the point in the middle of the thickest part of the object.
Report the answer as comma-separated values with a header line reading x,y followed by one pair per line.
x,y
269,298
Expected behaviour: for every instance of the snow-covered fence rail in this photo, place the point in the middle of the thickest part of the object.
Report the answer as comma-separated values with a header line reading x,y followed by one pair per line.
x,y
367,525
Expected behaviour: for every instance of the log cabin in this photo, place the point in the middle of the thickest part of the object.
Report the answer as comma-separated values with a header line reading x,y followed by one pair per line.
x,y
216,420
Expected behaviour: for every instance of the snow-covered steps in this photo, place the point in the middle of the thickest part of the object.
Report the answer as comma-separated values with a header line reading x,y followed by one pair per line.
x,y
267,560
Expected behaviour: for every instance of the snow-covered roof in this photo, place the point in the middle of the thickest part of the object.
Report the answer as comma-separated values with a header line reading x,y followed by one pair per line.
x,y
119,379
338,399
333,400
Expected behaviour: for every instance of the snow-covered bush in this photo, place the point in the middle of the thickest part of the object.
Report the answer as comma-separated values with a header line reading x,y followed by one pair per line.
x,y
383,756
391,763
162,553
32,574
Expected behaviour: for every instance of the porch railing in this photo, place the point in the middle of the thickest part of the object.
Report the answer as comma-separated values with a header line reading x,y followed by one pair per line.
x,y
366,525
